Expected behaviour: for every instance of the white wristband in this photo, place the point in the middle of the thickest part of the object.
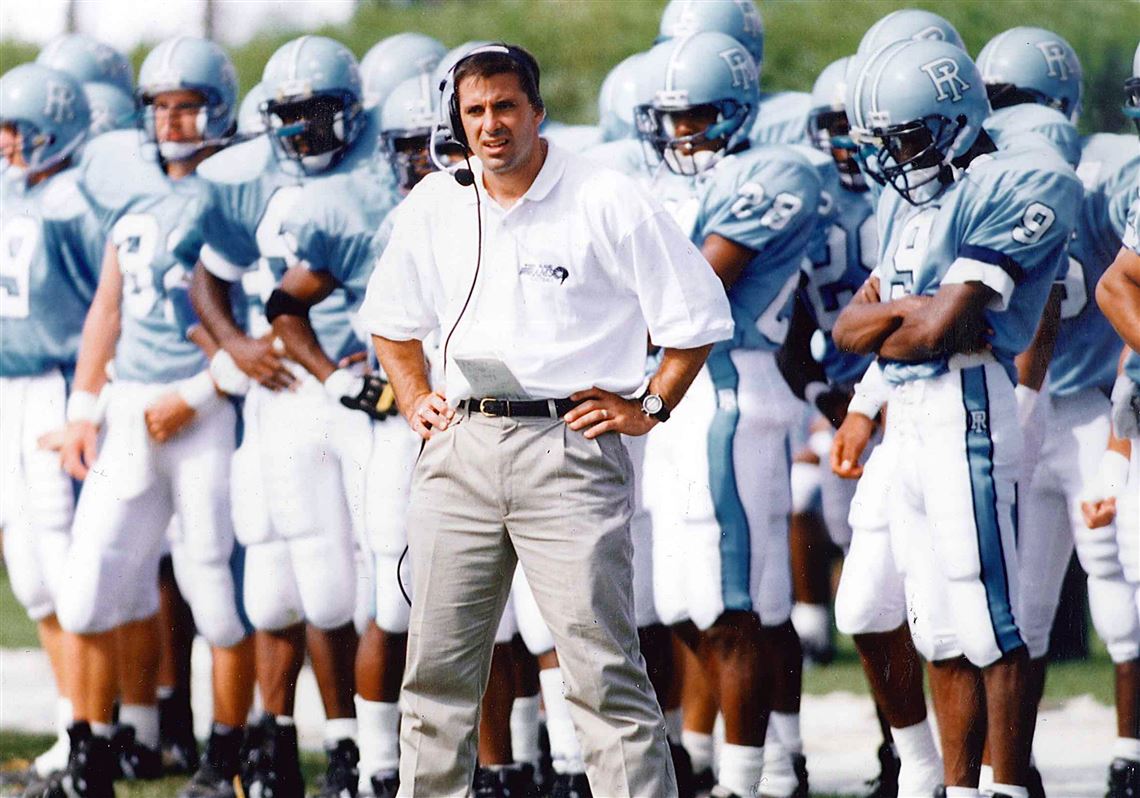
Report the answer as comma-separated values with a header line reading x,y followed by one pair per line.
x,y
343,382
197,391
227,376
82,406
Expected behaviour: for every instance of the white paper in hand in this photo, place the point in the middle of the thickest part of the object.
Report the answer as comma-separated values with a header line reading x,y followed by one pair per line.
x,y
488,376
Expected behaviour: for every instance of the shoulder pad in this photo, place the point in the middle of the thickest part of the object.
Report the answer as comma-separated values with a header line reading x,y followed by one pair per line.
x,y
115,168
241,163
1104,156
62,198
1009,125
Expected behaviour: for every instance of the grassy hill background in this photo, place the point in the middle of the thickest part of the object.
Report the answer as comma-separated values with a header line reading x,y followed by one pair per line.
x,y
577,41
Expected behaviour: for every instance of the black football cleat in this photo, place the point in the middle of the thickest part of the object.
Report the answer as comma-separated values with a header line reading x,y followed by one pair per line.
x,y
220,764
90,771
342,775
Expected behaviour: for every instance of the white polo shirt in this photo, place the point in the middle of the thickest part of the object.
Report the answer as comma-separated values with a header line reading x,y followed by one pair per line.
x,y
572,277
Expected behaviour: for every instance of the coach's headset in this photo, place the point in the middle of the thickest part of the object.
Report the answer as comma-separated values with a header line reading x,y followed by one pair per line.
x,y
465,176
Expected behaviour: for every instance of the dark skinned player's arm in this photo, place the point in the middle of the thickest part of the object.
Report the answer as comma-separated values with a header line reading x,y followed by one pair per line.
x,y
866,321
296,332
1118,294
1033,363
728,258
210,296
951,321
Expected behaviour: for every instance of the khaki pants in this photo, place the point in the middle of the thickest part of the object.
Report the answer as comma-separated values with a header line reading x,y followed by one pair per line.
x,y
490,492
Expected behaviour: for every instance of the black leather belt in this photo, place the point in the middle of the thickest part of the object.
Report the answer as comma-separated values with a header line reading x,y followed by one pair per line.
x,y
518,408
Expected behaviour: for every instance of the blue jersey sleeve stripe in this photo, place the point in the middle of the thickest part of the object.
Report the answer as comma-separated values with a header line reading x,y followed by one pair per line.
x,y
992,256
735,536
987,517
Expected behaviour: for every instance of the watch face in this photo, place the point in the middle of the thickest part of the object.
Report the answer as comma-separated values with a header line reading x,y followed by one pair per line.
x,y
652,404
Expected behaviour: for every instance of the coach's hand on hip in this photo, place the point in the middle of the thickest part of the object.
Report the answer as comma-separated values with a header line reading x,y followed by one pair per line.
x,y
430,413
601,411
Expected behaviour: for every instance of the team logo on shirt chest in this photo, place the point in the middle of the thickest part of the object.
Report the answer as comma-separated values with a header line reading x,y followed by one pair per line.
x,y
546,272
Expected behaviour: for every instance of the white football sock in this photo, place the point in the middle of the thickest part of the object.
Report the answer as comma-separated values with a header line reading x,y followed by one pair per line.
x,y
524,730
699,746
143,719
101,730
779,778
337,729
378,736
787,728
921,766
1126,748
986,779
1011,790
958,792
741,767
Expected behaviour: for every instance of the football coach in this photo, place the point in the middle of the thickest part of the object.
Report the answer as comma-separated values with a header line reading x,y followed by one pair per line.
x,y
542,275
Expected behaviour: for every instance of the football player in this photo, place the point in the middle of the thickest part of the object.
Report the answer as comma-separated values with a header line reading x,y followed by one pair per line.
x,y
111,108
720,543
397,58
49,266
781,116
970,244
88,61
169,434
299,488
869,602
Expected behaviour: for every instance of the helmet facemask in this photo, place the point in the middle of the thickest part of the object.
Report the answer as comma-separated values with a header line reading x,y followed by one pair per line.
x,y
33,145
414,153
313,132
1132,100
176,150
689,138
830,132
914,157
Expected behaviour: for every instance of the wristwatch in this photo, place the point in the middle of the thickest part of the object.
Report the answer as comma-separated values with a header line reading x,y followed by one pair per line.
x,y
653,405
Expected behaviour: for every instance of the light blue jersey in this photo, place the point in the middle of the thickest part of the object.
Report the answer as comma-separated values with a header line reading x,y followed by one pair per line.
x,y
766,199
248,197
839,260
1007,127
781,118
51,248
144,215
333,227
1087,347
1006,223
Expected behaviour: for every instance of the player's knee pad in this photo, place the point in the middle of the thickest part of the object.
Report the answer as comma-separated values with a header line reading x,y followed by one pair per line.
x,y
982,632
269,592
211,589
26,572
870,598
392,610
324,570
805,487
533,629
1098,552
1112,605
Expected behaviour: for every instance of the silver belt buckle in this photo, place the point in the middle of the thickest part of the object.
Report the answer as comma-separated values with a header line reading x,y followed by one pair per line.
x,y
483,402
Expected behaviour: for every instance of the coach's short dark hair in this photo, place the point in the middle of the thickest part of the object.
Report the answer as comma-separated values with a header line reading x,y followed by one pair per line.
x,y
517,62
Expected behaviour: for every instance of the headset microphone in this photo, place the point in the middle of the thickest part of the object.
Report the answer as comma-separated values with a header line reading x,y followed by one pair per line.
x,y
464,177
